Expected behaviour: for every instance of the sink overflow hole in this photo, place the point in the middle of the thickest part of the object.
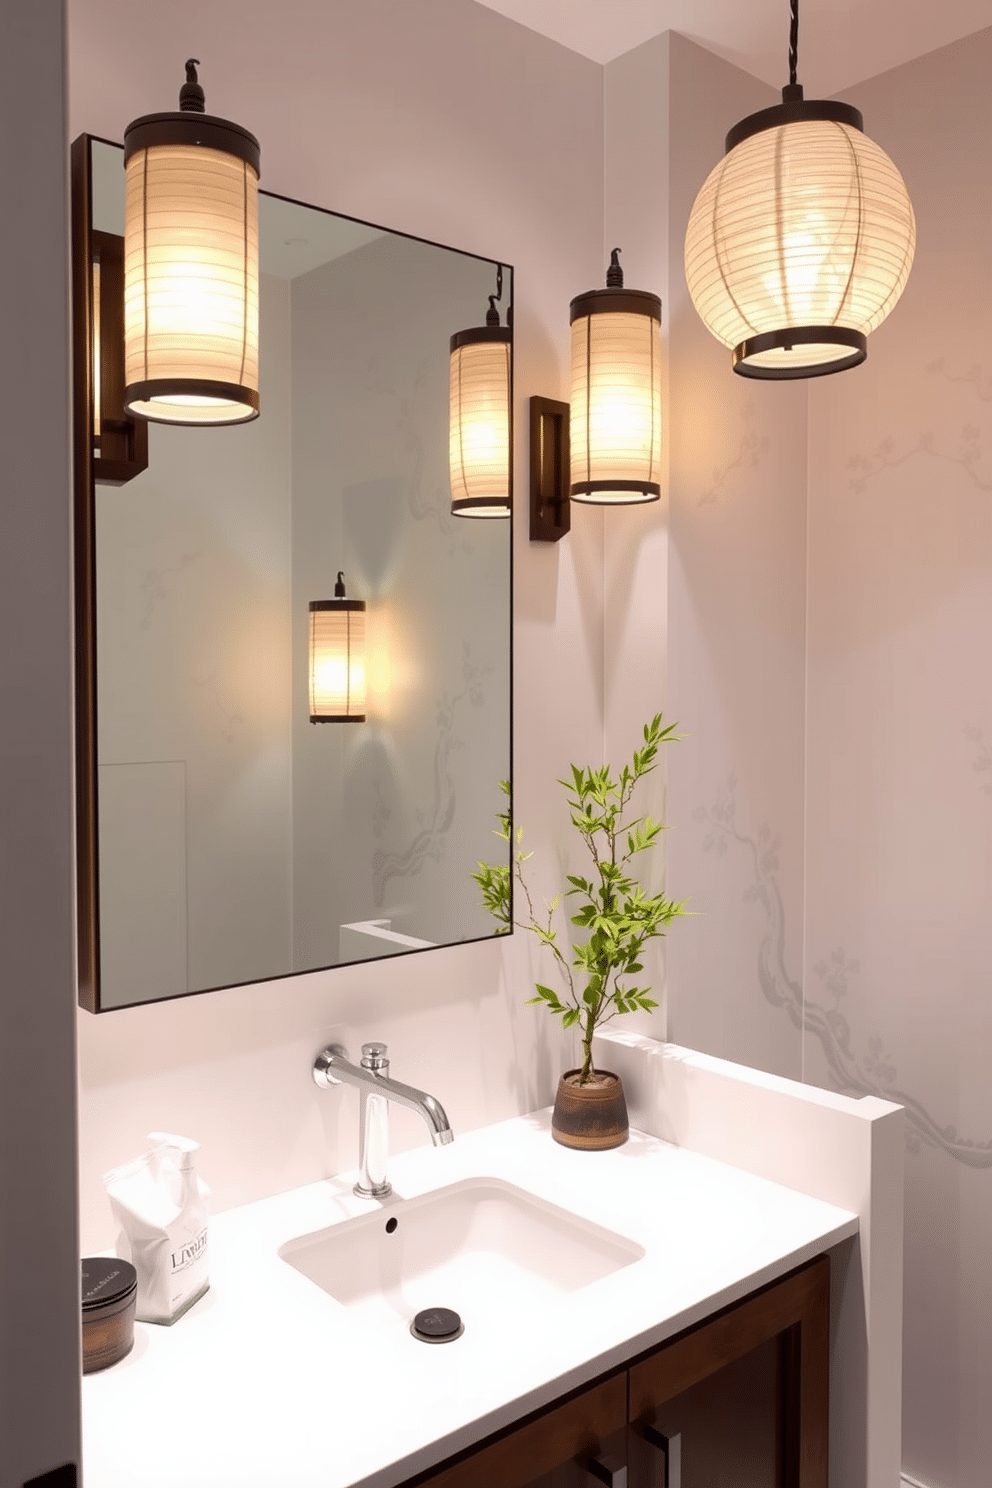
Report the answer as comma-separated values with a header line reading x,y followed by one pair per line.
x,y
437,1325
391,1224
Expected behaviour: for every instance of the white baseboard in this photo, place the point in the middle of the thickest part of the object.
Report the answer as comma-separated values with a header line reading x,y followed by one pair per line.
x,y
907,1482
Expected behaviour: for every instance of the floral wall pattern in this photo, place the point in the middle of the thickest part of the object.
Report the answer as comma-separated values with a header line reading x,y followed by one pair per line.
x,y
395,814
899,820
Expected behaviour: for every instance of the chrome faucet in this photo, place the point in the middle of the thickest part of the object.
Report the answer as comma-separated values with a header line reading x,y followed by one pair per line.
x,y
331,1067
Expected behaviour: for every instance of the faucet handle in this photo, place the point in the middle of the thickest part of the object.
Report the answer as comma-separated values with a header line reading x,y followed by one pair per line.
x,y
375,1056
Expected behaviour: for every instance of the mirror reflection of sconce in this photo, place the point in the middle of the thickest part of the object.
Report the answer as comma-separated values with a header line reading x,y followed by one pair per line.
x,y
610,452
337,662
479,416
191,265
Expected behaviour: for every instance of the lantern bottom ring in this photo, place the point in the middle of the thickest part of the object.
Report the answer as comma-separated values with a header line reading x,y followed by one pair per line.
x,y
337,717
235,403
615,492
791,339
480,506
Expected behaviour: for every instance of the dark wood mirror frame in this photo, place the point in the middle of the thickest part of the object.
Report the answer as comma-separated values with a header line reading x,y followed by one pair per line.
x,y
84,596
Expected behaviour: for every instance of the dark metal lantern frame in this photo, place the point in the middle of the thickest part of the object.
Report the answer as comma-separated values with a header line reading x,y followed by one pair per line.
x,y
794,109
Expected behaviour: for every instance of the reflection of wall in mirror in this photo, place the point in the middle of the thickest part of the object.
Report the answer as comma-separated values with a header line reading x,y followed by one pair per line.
x,y
391,816
194,647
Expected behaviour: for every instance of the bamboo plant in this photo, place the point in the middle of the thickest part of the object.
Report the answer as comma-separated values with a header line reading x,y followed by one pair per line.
x,y
613,906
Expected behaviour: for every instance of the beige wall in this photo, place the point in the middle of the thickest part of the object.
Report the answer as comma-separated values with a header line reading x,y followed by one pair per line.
x,y
736,640
390,818
898,960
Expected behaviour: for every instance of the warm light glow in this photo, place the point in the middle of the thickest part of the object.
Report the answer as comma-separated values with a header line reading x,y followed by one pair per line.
x,y
806,223
337,662
615,411
191,285
479,426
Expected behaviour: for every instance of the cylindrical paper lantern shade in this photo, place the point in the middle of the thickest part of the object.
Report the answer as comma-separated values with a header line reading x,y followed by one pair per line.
x,y
337,660
191,269
479,422
615,410
800,241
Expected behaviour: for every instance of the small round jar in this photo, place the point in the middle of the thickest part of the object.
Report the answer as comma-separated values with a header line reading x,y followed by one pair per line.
x,y
110,1291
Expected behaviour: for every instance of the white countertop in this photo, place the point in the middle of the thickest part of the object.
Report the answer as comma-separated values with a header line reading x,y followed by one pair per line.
x,y
267,1383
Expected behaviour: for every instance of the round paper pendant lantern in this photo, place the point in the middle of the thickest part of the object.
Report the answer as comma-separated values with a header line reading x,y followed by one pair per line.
x,y
337,658
479,416
191,266
615,408
801,239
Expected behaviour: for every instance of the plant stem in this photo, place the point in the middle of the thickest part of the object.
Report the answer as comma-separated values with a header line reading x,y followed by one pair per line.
x,y
586,1070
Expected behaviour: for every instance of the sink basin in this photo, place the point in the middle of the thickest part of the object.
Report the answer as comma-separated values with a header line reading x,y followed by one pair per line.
x,y
482,1247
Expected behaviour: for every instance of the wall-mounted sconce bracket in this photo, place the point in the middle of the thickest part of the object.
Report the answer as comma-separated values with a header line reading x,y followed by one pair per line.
x,y
106,440
120,442
550,508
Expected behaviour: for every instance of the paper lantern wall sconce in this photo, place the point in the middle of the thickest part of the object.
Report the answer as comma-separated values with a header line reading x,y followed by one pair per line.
x,y
336,658
479,415
191,265
604,447
801,239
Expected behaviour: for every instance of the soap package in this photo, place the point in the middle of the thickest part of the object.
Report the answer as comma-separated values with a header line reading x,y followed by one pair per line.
x,y
158,1203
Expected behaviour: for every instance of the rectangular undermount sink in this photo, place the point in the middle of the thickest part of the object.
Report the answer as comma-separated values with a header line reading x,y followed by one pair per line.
x,y
482,1247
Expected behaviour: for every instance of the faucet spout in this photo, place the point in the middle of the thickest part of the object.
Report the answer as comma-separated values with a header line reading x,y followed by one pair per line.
x,y
371,1077
425,1105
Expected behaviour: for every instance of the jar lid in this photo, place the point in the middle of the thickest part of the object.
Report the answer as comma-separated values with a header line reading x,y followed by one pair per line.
x,y
106,1280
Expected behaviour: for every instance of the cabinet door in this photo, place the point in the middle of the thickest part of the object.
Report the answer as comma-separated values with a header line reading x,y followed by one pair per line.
x,y
553,1450
743,1398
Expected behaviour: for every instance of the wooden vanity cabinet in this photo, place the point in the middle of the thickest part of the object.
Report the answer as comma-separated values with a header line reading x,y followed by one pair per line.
x,y
551,1449
739,1401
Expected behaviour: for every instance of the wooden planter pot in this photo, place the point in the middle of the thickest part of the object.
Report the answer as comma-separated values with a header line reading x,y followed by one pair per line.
x,y
593,1116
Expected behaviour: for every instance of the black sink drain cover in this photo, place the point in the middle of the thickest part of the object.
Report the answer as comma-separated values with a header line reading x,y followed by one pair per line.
x,y
437,1325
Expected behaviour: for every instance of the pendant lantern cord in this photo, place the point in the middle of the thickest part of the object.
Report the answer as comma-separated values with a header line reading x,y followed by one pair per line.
x,y
793,42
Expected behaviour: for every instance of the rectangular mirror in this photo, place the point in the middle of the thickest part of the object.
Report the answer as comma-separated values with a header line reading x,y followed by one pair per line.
x,y
223,838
